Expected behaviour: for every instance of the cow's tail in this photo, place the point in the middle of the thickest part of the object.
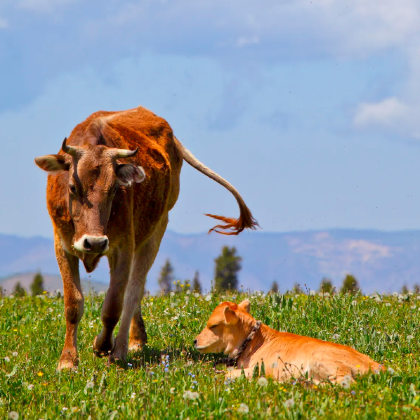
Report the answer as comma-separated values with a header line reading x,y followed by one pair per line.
x,y
232,226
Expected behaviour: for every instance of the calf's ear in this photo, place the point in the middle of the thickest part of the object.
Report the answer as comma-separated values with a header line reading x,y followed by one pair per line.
x,y
245,305
128,173
52,163
230,316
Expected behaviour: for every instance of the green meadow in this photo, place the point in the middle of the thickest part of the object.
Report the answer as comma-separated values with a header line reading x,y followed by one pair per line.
x,y
170,380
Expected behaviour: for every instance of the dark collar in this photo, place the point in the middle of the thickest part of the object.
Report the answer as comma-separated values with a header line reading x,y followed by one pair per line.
x,y
236,354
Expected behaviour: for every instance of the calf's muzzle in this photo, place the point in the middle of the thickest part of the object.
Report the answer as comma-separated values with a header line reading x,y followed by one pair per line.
x,y
92,244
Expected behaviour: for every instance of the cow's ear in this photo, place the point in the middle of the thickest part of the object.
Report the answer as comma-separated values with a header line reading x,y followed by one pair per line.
x,y
245,305
52,163
230,316
128,173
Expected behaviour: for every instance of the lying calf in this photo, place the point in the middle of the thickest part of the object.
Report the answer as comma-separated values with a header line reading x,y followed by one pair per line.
x,y
234,331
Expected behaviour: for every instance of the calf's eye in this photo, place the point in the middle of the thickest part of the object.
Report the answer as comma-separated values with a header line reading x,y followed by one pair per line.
x,y
72,188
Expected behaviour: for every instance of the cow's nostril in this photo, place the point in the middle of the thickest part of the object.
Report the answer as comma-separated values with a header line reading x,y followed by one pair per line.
x,y
195,342
103,244
87,245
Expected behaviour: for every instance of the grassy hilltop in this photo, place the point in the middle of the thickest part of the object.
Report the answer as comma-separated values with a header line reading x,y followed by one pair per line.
x,y
185,385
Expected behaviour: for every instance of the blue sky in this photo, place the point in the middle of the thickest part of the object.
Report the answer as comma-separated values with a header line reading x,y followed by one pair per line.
x,y
310,108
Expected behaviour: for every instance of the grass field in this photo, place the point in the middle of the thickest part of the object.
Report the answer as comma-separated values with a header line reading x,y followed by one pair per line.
x,y
187,385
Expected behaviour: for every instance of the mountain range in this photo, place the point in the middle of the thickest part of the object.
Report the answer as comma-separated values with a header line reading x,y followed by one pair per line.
x,y
381,261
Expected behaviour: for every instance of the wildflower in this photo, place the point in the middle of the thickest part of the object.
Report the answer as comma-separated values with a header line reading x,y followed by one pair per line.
x,y
230,369
64,409
345,383
90,385
387,304
129,364
289,403
353,392
410,337
172,293
196,295
13,415
15,354
274,365
195,382
40,374
166,370
395,294
50,310
172,390
133,395
262,381
208,298
6,359
335,336
31,387
312,293
191,395
243,408
391,371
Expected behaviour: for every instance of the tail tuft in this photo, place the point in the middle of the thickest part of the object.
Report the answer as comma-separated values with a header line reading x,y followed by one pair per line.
x,y
236,226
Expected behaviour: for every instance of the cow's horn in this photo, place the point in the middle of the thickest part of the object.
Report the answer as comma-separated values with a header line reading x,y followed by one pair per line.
x,y
70,150
123,153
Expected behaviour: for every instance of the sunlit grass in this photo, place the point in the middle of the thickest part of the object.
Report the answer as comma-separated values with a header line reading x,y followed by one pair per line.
x,y
169,379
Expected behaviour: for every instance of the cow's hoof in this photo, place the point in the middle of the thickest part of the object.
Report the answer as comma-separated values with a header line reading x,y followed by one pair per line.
x,y
67,363
103,347
135,346
118,356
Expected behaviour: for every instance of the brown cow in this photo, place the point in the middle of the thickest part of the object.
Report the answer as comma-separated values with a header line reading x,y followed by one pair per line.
x,y
101,206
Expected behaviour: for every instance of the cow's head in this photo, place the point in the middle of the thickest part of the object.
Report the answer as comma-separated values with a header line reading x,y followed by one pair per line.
x,y
94,178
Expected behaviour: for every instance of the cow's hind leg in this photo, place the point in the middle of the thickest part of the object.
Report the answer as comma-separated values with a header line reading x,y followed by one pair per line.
x,y
131,320
73,304
120,263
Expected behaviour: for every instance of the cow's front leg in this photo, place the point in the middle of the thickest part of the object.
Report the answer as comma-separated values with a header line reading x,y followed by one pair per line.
x,y
73,304
120,264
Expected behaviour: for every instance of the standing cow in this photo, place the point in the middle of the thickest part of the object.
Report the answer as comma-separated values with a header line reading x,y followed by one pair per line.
x,y
109,192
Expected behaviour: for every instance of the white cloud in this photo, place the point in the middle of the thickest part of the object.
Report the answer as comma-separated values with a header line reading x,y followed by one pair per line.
x,y
42,5
243,41
4,24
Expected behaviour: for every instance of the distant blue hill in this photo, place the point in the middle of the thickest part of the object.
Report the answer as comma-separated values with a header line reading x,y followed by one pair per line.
x,y
381,261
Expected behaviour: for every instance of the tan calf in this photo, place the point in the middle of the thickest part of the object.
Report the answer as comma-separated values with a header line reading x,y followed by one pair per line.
x,y
232,330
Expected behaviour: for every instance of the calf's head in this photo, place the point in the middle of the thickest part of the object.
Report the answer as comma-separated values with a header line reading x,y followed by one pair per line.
x,y
94,176
226,329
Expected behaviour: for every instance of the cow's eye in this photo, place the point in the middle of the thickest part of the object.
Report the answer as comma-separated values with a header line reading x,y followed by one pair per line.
x,y
72,188
213,326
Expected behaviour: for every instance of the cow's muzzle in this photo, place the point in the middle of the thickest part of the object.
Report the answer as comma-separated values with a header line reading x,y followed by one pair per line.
x,y
92,244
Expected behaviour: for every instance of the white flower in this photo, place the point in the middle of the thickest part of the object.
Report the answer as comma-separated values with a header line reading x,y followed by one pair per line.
x,y
64,409
312,293
243,408
354,302
410,337
326,294
172,294
15,354
190,395
196,295
101,293
230,369
345,383
31,387
90,385
208,298
289,403
6,359
414,307
133,395
13,415
274,365
391,371
335,336
188,292
262,381
11,297
377,299
387,304
172,390
418,297
50,310
395,294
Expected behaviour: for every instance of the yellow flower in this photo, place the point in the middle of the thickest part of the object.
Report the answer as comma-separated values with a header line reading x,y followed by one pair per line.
x,y
315,387
182,285
357,365
188,285
44,292
154,380
14,329
174,282
40,373
45,383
